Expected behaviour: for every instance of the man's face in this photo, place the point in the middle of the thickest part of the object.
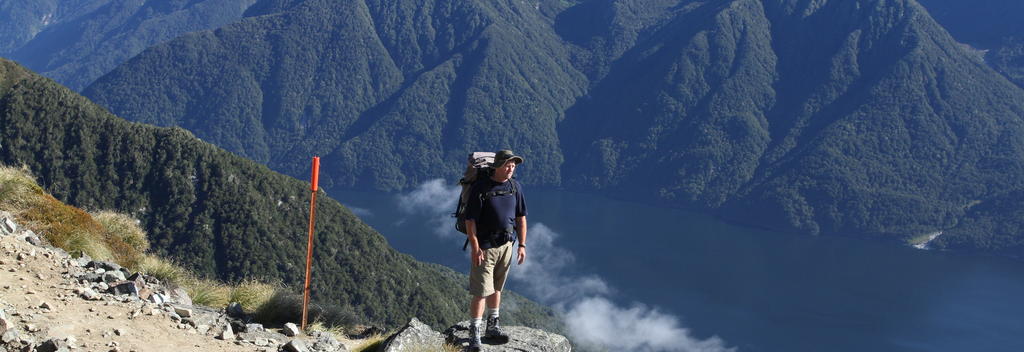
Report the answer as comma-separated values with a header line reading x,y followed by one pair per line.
x,y
505,171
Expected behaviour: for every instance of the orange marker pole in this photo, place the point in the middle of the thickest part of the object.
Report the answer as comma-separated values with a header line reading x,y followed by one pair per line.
x,y
309,245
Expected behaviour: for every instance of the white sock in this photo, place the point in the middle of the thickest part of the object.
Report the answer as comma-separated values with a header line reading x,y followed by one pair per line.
x,y
477,322
492,312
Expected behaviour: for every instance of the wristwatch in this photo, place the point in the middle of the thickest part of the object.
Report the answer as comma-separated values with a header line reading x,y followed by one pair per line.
x,y
522,245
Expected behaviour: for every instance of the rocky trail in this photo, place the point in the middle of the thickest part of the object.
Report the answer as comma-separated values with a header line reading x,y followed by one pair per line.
x,y
50,301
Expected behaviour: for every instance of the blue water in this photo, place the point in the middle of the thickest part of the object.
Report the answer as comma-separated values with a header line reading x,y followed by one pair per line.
x,y
758,290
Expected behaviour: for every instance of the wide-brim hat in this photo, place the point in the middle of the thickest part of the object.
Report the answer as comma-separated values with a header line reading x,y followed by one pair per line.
x,y
503,156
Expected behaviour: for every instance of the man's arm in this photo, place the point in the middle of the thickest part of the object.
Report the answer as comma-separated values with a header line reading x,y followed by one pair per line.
x,y
521,226
476,254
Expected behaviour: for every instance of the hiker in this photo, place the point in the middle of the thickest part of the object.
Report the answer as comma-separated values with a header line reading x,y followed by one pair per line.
x,y
495,213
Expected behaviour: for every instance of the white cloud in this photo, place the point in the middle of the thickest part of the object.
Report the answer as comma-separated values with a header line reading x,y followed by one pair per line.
x,y
437,200
597,322
432,197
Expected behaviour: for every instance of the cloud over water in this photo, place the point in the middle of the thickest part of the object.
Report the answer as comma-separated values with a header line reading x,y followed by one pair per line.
x,y
585,302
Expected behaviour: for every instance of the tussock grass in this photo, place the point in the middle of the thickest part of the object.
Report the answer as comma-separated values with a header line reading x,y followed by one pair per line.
x,y
17,189
208,292
124,235
162,269
253,295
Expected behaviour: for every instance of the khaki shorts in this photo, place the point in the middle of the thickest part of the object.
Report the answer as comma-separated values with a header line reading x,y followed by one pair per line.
x,y
490,276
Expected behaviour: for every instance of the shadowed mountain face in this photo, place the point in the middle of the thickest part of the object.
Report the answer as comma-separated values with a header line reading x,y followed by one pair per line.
x,y
219,214
77,41
850,117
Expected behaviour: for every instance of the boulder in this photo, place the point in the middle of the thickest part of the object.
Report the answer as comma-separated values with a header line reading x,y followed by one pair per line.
x,y
111,277
125,288
520,339
180,295
414,336
290,330
295,346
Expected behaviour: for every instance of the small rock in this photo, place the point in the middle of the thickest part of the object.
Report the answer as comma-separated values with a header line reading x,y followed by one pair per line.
x,y
202,329
262,342
120,331
53,345
33,239
235,310
31,328
5,324
110,277
226,334
157,298
9,226
88,294
183,312
291,330
254,328
9,336
180,295
45,305
125,288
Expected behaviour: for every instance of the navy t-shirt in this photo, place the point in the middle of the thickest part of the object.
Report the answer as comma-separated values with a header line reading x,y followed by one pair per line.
x,y
495,213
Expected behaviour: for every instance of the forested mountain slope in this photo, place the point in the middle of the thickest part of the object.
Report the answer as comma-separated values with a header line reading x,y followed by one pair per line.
x,y
379,88
837,117
77,41
217,213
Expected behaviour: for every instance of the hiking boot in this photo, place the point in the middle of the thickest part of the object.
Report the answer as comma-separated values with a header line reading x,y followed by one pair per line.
x,y
494,332
474,338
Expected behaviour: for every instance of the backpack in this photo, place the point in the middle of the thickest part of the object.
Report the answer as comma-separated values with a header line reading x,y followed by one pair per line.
x,y
478,167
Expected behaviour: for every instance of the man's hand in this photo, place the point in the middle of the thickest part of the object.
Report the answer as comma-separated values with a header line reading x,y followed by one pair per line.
x,y
522,255
478,256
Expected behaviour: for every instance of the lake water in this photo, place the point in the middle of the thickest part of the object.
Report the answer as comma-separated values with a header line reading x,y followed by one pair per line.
x,y
754,289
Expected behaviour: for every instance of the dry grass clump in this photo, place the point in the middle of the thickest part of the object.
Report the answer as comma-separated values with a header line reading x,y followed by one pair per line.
x,y
17,188
208,292
65,226
252,294
124,235
162,269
